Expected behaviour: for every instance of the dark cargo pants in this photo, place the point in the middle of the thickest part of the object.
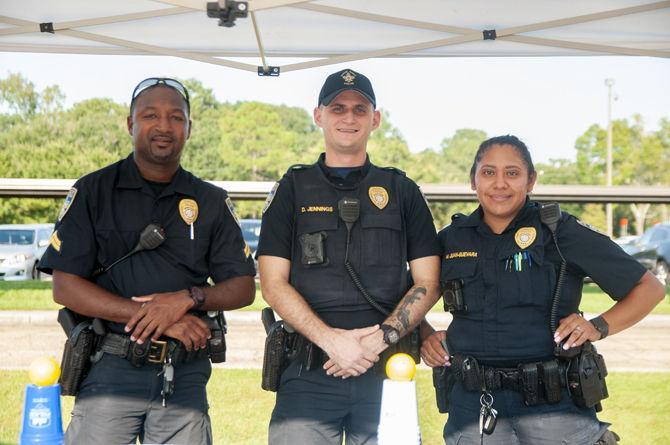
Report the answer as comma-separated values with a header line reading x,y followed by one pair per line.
x,y
518,424
314,408
118,403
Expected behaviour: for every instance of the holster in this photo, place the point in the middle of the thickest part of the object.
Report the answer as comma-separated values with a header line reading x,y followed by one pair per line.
x,y
276,357
216,344
443,381
79,346
586,378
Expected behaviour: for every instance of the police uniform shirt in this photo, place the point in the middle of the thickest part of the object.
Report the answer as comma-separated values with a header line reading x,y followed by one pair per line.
x,y
103,221
509,280
281,228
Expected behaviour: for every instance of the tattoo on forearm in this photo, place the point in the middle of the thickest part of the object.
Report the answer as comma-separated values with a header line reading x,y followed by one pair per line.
x,y
403,311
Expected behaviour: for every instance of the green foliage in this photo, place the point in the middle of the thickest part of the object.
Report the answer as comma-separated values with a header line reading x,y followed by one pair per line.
x,y
253,141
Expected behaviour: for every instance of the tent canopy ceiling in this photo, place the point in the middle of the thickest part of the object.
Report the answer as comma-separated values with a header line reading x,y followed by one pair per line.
x,y
335,31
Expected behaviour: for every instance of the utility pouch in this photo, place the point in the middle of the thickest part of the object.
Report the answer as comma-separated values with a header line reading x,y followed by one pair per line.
x,y
452,296
471,374
313,248
275,356
551,377
586,378
530,384
443,381
138,353
76,361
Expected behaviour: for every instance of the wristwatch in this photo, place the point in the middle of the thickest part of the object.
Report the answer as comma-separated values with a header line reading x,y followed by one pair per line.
x,y
391,334
601,326
197,295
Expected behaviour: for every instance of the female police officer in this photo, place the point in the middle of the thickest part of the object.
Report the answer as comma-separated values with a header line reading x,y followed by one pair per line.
x,y
513,356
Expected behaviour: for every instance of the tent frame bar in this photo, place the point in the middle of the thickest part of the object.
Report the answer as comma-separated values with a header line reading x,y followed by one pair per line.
x,y
464,35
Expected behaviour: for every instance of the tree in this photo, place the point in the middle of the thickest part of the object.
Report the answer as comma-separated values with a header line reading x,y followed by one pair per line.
x,y
638,158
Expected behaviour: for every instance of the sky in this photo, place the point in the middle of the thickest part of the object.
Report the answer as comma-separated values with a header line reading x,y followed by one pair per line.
x,y
547,102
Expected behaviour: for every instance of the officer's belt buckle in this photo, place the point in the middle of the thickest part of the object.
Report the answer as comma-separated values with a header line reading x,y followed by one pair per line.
x,y
157,351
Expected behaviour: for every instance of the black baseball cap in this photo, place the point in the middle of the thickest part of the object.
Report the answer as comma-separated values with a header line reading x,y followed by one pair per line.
x,y
344,80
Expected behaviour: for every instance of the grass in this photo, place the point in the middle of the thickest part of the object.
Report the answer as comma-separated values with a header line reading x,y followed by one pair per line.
x,y
36,295
240,410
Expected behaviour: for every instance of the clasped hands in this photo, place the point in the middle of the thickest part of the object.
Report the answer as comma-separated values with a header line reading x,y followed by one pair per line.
x,y
167,314
351,352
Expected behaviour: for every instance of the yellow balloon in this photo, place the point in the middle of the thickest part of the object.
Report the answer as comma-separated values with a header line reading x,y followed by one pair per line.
x,y
401,367
44,371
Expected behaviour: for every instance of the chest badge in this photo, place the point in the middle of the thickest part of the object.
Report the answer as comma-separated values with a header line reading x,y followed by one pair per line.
x,y
525,236
379,197
188,210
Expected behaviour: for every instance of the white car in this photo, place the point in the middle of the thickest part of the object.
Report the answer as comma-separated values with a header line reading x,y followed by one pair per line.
x,y
21,248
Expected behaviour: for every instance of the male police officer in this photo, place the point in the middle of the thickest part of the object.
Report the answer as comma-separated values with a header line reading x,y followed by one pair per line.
x,y
333,252
134,391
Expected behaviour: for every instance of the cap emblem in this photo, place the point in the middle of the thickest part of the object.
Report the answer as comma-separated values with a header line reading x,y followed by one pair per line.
x,y
348,77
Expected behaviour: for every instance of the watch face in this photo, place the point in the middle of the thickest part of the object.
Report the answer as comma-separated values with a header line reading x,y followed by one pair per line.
x,y
393,336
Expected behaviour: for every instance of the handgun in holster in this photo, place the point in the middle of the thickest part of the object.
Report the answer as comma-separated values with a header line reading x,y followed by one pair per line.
x,y
216,345
279,346
82,333
586,378
443,381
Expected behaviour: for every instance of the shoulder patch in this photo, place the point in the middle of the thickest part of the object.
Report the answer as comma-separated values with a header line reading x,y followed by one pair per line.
x,y
229,203
590,227
69,199
271,197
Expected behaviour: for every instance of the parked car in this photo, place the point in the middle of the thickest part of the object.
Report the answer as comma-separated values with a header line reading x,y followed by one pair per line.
x,y
652,250
625,240
251,230
21,248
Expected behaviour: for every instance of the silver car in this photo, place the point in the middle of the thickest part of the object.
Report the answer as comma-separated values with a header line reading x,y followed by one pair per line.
x,y
21,248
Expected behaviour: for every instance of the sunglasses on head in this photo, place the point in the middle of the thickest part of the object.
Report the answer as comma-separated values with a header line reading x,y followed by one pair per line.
x,y
153,81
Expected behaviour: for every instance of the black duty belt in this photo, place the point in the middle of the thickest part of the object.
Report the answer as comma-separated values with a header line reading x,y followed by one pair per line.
x,y
154,351
538,382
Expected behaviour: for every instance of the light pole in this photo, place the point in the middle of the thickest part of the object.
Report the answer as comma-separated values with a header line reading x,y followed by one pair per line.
x,y
609,83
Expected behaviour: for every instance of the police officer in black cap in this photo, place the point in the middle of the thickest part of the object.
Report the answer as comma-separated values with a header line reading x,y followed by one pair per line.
x,y
521,368
152,366
335,242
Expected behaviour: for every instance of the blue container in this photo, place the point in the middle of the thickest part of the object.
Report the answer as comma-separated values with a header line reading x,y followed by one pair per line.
x,y
42,422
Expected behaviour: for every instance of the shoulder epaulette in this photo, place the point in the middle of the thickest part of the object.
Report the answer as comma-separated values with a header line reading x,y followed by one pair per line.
x,y
456,216
300,166
393,169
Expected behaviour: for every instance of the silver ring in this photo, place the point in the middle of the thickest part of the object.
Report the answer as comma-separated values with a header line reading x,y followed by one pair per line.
x,y
578,328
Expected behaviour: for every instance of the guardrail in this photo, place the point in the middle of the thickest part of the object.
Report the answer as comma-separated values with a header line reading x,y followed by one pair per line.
x,y
258,190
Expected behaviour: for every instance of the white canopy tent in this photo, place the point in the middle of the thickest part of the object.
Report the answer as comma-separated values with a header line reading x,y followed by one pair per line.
x,y
336,31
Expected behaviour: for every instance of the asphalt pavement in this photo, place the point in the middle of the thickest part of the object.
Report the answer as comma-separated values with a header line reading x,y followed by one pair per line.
x,y
26,335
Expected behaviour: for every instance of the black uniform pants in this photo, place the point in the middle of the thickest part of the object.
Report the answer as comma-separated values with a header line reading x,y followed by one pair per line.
x,y
314,408
119,403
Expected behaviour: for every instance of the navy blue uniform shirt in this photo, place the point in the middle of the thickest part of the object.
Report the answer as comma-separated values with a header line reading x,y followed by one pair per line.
x,y
336,299
509,280
113,205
